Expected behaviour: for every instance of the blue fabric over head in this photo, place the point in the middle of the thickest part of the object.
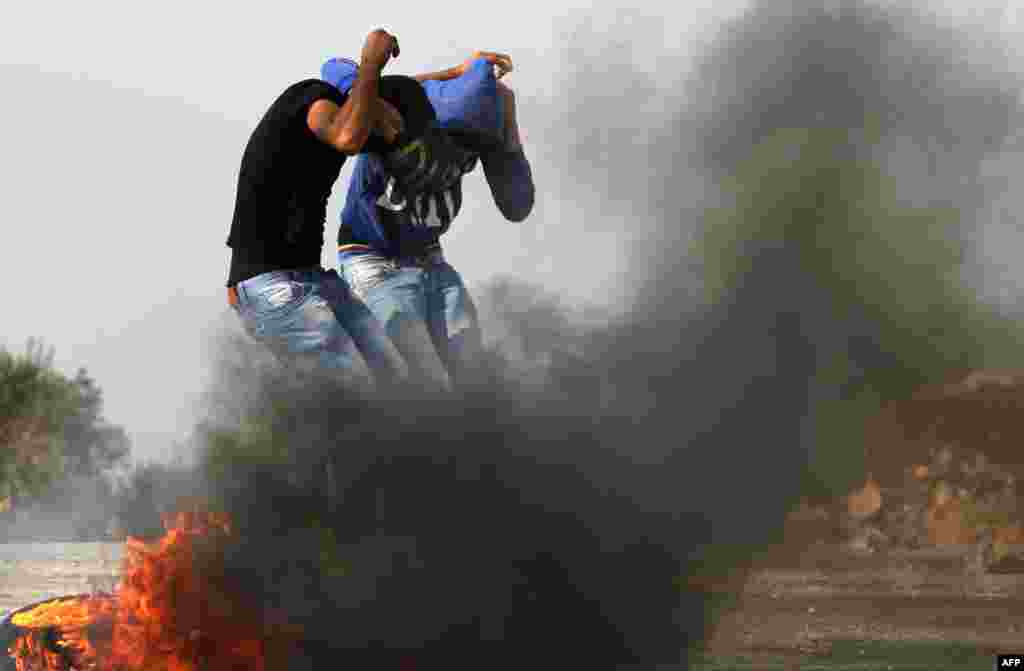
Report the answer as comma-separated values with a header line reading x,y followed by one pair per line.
x,y
341,72
469,102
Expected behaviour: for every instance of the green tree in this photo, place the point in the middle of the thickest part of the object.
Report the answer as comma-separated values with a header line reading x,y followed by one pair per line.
x,y
92,445
51,427
35,401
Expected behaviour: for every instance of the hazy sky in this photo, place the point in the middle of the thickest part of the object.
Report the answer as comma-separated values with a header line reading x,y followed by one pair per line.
x,y
123,128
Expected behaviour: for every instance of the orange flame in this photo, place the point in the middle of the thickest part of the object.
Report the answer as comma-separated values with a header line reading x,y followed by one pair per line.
x,y
62,632
173,611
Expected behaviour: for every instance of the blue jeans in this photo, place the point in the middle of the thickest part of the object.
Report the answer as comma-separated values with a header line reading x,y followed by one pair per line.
x,y
424,307
309,318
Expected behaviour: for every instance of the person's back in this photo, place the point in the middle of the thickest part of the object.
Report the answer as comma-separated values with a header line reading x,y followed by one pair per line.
x,y
284,182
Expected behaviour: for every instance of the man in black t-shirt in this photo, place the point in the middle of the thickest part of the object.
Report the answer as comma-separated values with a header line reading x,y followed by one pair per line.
x,y
276,284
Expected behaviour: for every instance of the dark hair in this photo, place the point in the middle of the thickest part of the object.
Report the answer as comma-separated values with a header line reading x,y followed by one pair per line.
x,y
409,98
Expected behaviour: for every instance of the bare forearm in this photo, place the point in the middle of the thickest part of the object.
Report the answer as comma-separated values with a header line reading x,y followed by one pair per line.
x,y
440,75
361,104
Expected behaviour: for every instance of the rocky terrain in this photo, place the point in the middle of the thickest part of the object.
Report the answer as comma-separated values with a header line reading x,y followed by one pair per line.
x,y
931,548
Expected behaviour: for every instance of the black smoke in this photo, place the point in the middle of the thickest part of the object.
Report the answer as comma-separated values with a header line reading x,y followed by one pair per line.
x,y
550,514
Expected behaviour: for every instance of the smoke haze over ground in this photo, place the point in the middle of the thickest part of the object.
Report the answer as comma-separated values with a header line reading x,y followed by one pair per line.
x,y
551,506
553,512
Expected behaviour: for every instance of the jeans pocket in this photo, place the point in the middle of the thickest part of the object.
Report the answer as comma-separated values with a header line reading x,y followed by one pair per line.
x,y
277,297
367,272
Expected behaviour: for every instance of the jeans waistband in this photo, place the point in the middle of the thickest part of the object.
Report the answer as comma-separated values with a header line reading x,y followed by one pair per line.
x,y
431,256
236,294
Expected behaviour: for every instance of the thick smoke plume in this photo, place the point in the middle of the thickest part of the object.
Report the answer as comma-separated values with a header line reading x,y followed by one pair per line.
x,y
553,513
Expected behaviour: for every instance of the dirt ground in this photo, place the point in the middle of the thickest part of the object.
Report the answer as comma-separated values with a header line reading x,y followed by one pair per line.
x,y
799,597
812,589
809,592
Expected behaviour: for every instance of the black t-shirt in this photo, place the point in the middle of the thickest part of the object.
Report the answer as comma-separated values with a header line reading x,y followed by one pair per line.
x,y
283,185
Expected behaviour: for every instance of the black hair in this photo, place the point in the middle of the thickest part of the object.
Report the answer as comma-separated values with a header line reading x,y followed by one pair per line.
x,y
409,98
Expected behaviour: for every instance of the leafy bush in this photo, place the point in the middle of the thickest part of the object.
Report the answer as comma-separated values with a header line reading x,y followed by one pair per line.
x,y
35,403
55,446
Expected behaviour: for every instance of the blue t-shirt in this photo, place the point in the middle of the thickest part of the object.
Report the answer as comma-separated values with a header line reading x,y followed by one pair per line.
x,y
371,220
469,102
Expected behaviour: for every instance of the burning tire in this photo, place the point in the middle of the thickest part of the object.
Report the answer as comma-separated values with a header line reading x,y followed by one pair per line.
x,y
11,632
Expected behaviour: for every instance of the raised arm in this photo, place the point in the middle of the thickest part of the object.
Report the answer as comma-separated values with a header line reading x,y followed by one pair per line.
x,y
502,61
513,142
508,171
347,127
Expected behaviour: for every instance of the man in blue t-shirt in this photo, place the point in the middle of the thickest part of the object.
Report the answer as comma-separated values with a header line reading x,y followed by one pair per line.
x,y
389,246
